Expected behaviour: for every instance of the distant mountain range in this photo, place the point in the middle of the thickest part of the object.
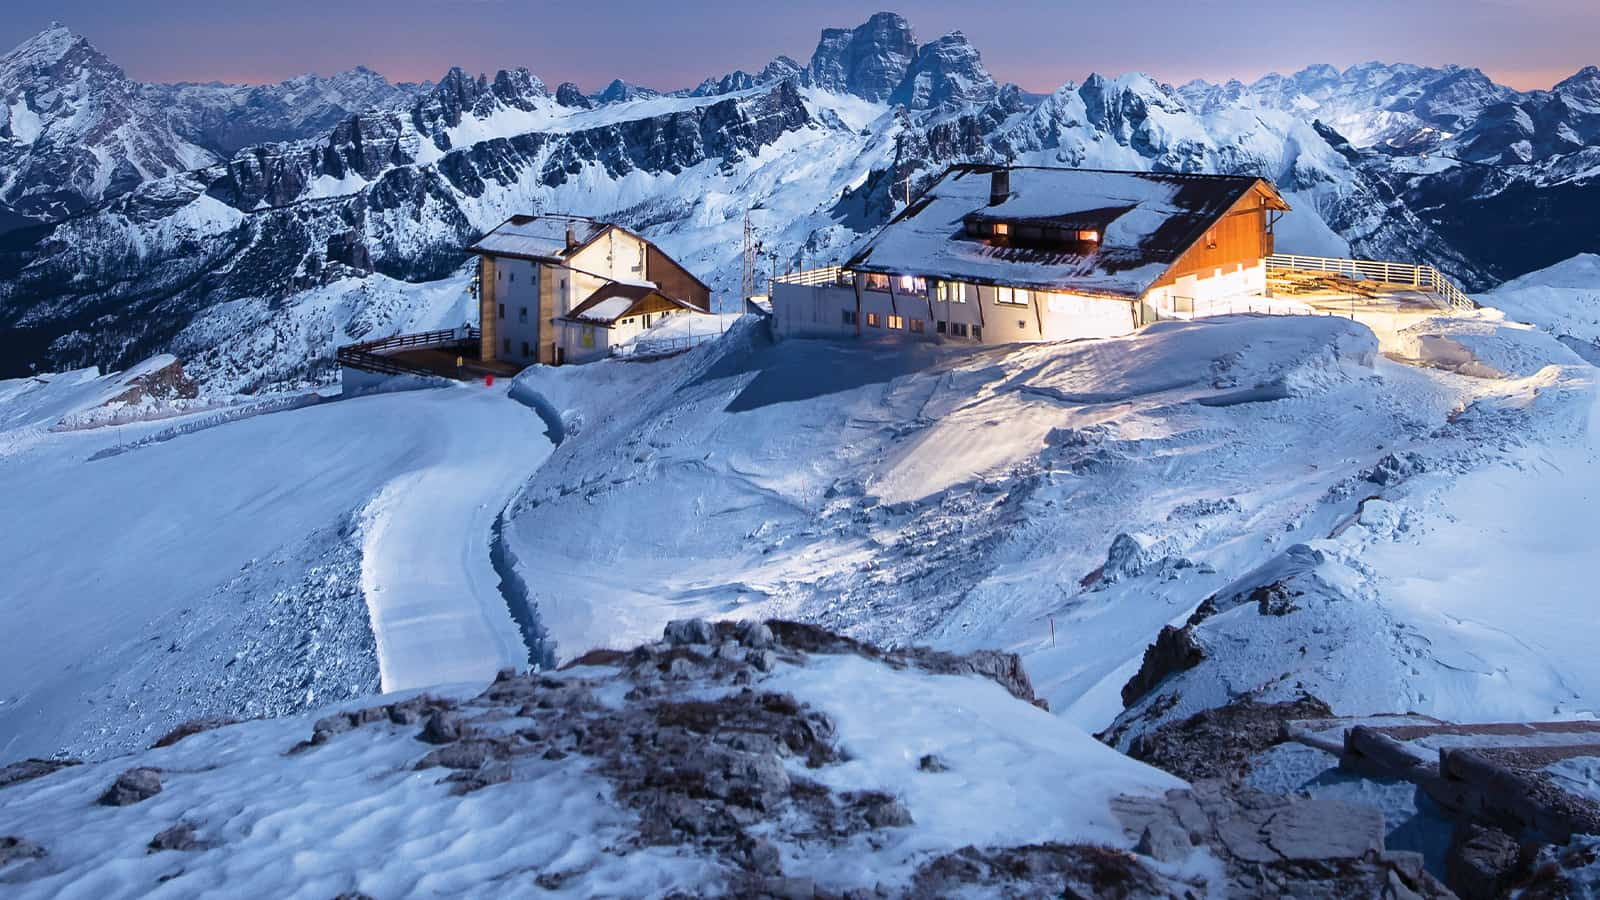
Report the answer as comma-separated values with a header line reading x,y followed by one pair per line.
x,y
173,214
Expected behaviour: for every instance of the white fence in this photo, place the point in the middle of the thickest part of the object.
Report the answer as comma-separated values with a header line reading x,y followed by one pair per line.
x,y
1425,278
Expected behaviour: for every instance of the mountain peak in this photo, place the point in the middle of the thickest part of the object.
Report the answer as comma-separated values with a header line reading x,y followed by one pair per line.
x,y
868,61
50,47
946,72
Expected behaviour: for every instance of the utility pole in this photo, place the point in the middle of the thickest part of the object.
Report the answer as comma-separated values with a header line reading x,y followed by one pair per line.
x,y
751,250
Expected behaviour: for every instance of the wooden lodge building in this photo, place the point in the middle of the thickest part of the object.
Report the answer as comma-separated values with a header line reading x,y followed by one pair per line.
x,y
1001,254
557,288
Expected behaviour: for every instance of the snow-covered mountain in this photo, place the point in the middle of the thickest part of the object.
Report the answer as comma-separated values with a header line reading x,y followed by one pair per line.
x,y
820,155
75,130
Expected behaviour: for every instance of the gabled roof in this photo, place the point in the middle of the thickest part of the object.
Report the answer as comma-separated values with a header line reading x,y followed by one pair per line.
x,y
1146,221
617,300
542,237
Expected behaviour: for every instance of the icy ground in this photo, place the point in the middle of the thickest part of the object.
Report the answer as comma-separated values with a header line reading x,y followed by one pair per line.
x,y
224,563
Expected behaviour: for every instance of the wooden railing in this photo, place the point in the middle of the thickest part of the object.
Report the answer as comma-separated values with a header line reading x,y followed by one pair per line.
x,y
369,355
832,275
1425,278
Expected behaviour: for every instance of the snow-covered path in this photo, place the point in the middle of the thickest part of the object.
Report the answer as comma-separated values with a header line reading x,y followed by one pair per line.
x,y
433,596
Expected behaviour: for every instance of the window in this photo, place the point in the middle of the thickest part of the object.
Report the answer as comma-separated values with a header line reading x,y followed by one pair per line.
x,y
524,349
503,311
508,346
522,316
874,320
1001,229
1092,237
913,284
1211,239
977,332
952,292
958,329
916,326
897,323
849,317
1012,296
939,327
877,281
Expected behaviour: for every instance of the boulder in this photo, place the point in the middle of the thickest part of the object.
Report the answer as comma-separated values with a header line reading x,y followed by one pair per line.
x,y
1482,862
443,727
132,786
29,769
13,848
179,837
680,632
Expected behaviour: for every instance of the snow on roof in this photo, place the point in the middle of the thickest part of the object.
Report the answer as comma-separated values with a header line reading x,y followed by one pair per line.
x,y
1146,221
539,237
609,309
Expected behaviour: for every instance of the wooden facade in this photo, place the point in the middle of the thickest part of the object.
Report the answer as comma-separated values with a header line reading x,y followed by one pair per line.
x,y
1241,238
488,313
674,280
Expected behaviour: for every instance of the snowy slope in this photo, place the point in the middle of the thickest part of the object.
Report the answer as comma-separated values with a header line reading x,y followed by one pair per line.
x,y
224,563
363,805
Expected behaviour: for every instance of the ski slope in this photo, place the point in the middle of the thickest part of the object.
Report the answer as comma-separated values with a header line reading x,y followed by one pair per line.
x,y
155,572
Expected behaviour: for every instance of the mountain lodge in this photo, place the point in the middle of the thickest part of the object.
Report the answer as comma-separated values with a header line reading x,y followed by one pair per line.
x,y
1000,254
559,288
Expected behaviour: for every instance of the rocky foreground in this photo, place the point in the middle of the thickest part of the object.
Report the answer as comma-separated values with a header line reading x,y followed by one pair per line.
x,y
747,759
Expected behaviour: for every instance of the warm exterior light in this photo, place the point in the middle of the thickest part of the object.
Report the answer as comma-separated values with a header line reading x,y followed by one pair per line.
x,y
1092,237
905,283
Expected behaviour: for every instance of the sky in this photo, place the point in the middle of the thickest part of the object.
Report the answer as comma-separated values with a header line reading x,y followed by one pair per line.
x,y
669,44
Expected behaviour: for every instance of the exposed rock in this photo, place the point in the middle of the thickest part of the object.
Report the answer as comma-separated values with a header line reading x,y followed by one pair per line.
x,y
570,95
946,73
1482,862
1174,650
753,634
13,848
192,727
29,769
886,812
1219,743
132,786
932,763
868,61
689,631
1043,870
181,836
1273,846
442,728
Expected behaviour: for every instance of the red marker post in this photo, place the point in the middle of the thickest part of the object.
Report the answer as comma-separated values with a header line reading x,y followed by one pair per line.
x,y
488,381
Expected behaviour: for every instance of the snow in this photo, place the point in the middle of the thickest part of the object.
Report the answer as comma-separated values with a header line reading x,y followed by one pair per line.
x,y
236,526
1035,777
25,123
1128,210
436,609
353,813
1563,299
543,237
607,310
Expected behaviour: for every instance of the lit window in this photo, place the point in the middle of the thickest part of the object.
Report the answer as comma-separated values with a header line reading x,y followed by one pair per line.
x,y
874,320
906,282
1012,296
1001,229
898,323
952,292
1211,239
877,281
1092,237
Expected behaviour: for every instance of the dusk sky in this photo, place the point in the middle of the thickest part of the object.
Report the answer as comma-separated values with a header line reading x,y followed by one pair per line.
x,y
1038,44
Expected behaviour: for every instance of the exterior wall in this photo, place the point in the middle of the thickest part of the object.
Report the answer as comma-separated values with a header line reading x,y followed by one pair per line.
x,y
554,287
616,255
488,315
801,311
674,280
1210,295
510,309
1240,239
581,343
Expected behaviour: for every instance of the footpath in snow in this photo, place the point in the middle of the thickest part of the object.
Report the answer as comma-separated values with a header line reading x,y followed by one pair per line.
x,y
437,611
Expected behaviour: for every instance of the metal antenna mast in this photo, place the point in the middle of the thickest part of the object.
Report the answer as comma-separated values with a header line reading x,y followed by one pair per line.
x,y
748,285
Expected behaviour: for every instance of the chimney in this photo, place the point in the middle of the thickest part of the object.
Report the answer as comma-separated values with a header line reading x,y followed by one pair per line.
x,y
999,186
572,237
